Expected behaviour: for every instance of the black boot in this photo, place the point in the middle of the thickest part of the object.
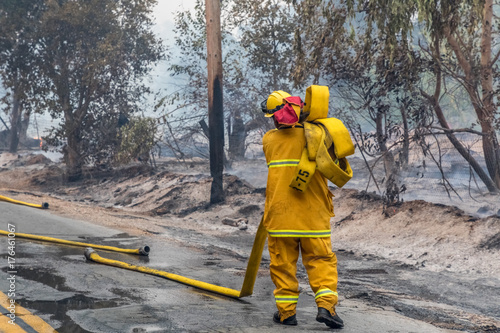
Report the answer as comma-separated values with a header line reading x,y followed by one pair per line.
x,y
324,316
288,321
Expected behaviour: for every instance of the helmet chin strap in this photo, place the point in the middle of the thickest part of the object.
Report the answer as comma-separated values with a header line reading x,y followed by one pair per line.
x,y
264,109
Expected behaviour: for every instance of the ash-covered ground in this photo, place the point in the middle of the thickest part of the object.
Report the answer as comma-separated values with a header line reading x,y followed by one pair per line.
x,y
408,253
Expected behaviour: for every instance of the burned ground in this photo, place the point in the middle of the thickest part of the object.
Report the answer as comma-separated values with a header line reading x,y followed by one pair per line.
x,y
396,257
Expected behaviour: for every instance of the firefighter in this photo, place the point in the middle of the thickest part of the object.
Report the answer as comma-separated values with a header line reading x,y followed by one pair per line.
x,y
297,221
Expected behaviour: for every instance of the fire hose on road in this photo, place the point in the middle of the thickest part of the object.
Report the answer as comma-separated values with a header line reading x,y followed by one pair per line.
x,y
141,251
90,254
248,282
44,205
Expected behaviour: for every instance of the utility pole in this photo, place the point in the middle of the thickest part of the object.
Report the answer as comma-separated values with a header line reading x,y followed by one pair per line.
x,y
215,109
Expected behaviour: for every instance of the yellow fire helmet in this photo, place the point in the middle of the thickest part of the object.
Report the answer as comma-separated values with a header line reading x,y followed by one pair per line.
x,y
274,101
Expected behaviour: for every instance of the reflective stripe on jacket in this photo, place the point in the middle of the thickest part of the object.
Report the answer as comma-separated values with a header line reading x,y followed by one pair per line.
x,y
299,233
288,212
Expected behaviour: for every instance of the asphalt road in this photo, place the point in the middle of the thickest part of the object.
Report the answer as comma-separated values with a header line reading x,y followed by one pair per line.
x,y
71,294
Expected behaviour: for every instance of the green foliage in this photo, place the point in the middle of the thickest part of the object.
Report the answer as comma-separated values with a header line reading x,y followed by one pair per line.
x,y
89,61
18,25
320,42
265,31
363,81
137,139
257,39
397,20
457,39
375,91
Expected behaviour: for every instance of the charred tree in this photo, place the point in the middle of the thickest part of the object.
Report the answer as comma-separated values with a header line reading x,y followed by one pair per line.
x,y
215,108
489,139
237,136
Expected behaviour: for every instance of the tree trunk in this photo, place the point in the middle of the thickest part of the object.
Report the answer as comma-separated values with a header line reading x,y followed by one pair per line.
x,y
23,130
486,114
15,124
391,169
204,127
73,158
491,151
237,136
458,145
215,108
72,151
404,156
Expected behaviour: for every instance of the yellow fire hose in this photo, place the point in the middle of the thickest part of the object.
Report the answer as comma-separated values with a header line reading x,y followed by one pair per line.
x,y
254,260
141,251
44,205
248,282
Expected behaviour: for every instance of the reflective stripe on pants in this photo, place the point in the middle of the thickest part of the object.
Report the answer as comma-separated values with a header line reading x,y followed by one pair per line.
x,y
286,299
324,292
320,263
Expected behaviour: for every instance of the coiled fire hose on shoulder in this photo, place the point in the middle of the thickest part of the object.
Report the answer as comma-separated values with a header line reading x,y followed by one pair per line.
x,y
141,251
44,205
248,282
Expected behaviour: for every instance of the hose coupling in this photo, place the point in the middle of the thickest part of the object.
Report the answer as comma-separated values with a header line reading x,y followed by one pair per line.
x,y
144,251
88,252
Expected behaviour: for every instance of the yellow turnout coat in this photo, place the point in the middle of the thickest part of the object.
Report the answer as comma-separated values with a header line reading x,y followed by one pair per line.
x,y
288,212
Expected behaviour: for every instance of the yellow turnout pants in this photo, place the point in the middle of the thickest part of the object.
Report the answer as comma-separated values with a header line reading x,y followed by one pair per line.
x,y
320,263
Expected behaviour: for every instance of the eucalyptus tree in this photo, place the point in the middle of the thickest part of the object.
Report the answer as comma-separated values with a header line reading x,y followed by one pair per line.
x,y
91,58
376,97
264,30
19,22
459,40
453,38
257,37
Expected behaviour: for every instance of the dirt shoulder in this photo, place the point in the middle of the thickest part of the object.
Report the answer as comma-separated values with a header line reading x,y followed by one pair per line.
x,y
142,201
